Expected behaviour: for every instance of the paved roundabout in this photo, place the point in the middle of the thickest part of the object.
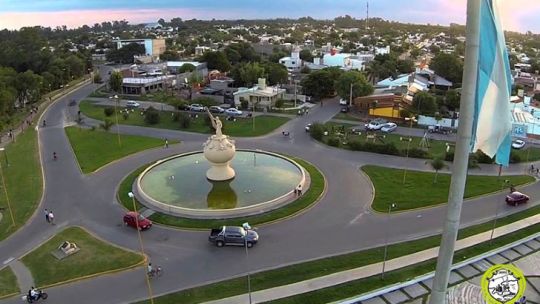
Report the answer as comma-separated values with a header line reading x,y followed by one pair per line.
x,y
341,222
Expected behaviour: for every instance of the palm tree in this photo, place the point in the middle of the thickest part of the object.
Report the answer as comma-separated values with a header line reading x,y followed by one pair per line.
x,y
437,164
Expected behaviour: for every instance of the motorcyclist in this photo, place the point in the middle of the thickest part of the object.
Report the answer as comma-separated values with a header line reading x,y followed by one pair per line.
x,y
44,123
149,269
34,293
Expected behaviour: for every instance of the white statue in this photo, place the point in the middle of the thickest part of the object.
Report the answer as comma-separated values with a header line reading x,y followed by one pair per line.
x,y
216,123
219,150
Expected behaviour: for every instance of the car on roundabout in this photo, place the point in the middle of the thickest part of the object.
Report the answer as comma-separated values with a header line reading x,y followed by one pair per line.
x,y
234,236
518,144
233,112
515,198
131,104
342,102
389,127
133,218
216,109
375,124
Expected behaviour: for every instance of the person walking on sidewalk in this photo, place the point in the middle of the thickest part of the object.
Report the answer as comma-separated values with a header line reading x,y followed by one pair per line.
x,y
166,143
51,217
47,216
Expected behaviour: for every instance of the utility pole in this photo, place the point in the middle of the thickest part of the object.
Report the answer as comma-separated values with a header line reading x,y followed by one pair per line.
x,y
367,14
461,159
350,95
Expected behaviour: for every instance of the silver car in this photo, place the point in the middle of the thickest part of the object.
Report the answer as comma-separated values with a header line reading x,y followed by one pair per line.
x,y
389,127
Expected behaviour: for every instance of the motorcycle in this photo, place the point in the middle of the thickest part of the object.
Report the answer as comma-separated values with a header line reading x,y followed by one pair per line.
x,y
40,295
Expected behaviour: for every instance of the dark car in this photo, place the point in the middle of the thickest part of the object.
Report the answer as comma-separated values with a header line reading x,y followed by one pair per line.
x,y
515,198
345,109
216,109
130,220
233,235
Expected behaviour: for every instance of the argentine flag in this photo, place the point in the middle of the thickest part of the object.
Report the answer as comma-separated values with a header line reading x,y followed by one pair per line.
x,y
492,123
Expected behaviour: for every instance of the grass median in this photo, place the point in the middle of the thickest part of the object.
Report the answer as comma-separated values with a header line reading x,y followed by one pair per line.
x,y
389,188
242,127
23,181
94,257
95,148
321,267
8,283
310,197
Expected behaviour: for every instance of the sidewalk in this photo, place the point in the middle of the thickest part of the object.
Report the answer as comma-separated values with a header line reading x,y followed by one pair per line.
x,y
370,270
5,139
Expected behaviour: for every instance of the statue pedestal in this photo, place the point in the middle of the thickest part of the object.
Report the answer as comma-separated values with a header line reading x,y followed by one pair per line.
x,y
219,151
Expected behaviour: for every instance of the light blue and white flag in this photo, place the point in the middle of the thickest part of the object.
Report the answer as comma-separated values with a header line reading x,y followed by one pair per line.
x,y
492,118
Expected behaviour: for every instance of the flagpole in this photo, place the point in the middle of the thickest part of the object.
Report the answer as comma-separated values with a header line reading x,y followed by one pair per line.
x,y
461,156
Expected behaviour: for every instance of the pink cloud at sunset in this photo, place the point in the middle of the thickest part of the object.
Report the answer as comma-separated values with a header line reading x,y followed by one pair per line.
x,y
76,18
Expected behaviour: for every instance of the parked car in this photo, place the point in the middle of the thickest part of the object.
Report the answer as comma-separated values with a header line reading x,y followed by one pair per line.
x,y
389,127
130,104
375,124
345,109
216,109
233,112
233,235
342,102
515,198
197,107
439,129
518,144
308,127
130,220
183,107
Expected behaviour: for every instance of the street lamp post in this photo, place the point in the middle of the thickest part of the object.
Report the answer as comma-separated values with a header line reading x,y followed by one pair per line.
x,y
390,207
6,192
497,213
409,140
116,101
246,228
132,196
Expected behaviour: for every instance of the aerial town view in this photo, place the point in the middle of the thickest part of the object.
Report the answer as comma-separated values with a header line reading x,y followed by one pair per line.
x,y
284,152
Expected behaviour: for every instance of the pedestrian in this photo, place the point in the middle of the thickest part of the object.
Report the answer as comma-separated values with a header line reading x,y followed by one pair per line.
x,y
51,217
299,190
166,143
47,216
532,168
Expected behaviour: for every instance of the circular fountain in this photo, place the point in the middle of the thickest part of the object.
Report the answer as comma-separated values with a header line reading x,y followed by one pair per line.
x,y
205,185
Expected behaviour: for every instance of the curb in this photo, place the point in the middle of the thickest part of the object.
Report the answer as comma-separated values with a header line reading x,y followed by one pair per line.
x,y
292,215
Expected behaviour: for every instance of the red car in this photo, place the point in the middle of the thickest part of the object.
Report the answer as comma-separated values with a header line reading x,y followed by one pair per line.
x,y
130,220
515,198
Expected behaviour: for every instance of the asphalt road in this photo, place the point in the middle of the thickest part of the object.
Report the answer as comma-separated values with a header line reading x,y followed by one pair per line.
x,y
341,222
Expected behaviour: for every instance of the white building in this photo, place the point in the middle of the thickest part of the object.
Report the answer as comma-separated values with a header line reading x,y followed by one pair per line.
x,y
345,61
382,50
200,50
292,63
261,95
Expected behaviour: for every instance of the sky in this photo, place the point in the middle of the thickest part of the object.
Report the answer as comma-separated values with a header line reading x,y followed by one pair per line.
x,y
516,15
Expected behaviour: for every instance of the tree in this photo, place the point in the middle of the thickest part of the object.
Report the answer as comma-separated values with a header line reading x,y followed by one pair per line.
x,y
216,61
115,81
125,54
275,73
247,74
448,66
306,55
405,66
360,85
151,116
97,78
424,103
436,164
186,67
75,65
169,55
28,86
106,124
415,52
319,84
452,99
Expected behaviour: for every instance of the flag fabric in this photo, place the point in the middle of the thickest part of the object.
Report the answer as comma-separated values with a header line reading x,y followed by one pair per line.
x,y
492,123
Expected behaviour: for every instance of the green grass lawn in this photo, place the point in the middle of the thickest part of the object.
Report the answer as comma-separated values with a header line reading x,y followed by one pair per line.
x,y
8,283
389,188
241,127
528,154
94,257
306,200
23,181
317,268
97,148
